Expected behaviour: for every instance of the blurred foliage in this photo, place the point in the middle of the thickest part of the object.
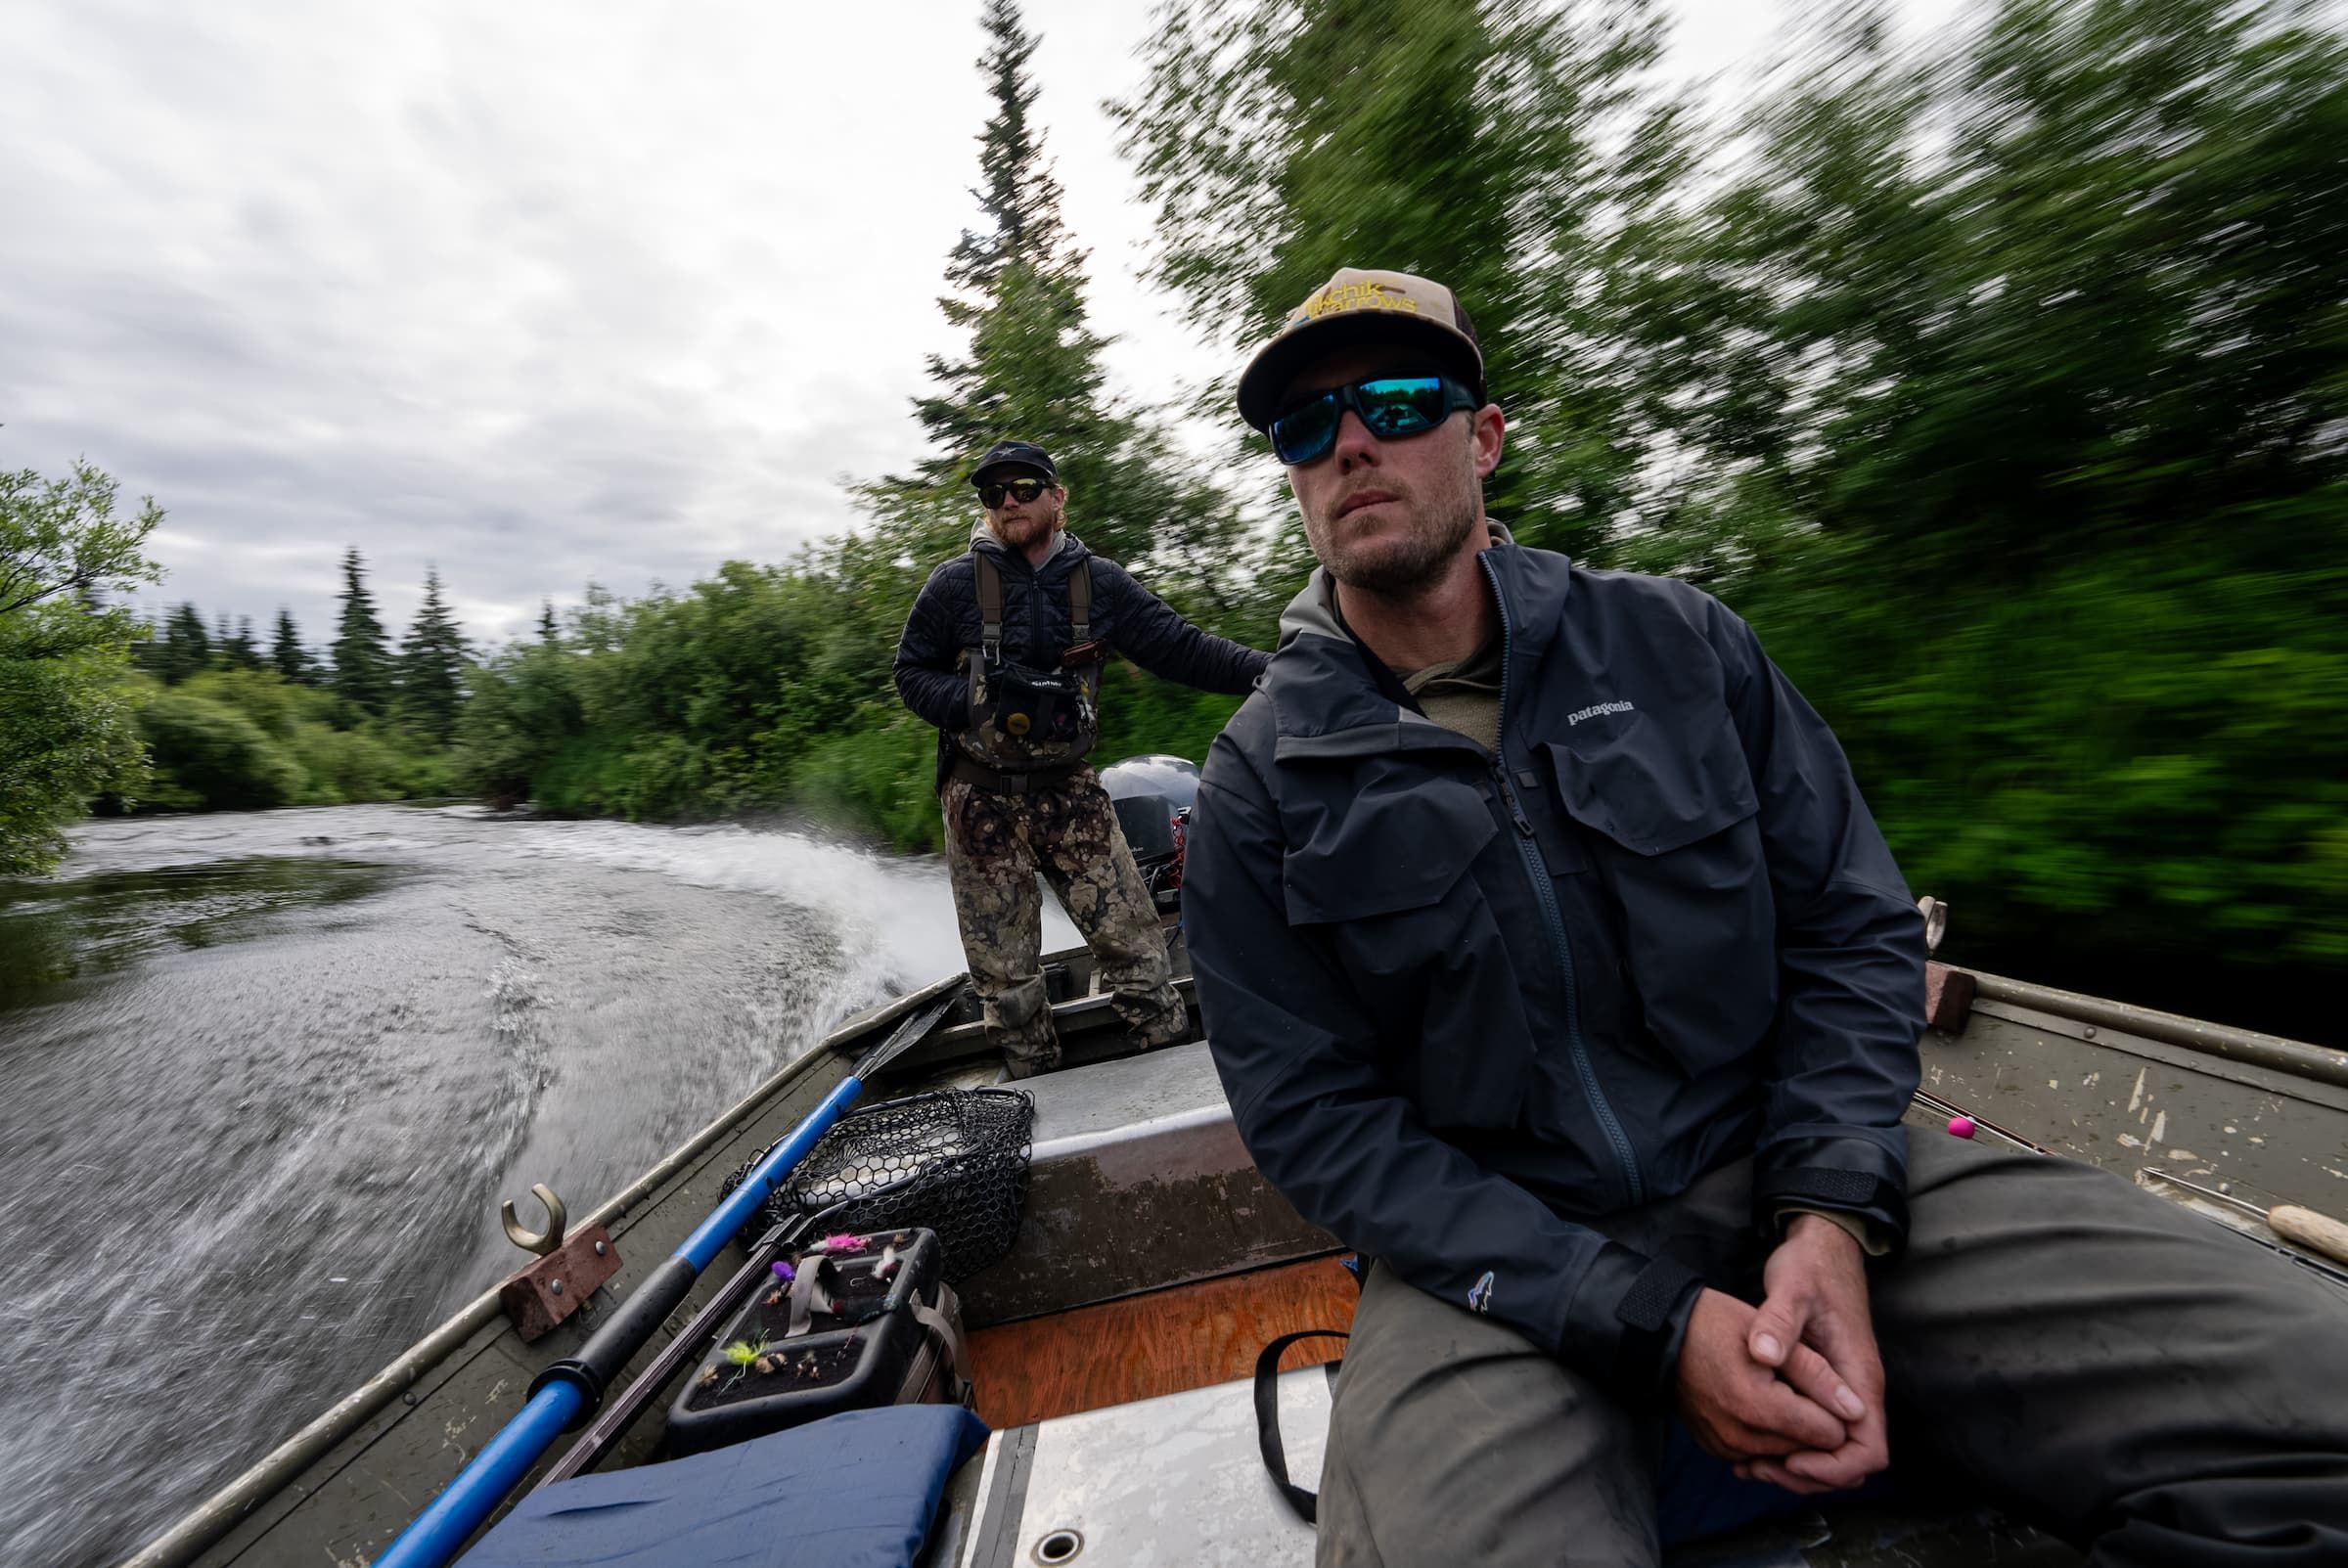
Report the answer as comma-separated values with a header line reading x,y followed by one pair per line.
x,y
235,739
65,730
1999,383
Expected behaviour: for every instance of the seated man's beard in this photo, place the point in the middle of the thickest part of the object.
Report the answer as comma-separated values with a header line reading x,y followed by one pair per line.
x,y
1399,562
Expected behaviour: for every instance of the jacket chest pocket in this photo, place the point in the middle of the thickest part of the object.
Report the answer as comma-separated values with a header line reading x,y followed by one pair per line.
x,y
1675,835
1383,875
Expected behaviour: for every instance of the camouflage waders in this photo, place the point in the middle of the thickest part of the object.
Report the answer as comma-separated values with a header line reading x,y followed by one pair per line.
x,y
996,842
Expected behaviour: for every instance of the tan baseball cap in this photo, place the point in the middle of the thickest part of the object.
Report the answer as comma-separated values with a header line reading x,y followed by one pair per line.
x,y
1362,305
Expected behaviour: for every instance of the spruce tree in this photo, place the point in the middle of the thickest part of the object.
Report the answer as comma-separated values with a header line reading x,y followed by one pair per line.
x,y
432,665
547,632
1033,371
187,645
362,653
288,656
237,650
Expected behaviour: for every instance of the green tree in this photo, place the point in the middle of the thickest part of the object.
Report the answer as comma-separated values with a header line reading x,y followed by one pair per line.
x,y
432,665
363,674
66,731
286,655
1516,152
236,650
1032,369
185,648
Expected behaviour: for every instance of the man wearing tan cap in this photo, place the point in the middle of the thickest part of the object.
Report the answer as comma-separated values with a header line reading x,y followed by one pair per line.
x,y
1551,958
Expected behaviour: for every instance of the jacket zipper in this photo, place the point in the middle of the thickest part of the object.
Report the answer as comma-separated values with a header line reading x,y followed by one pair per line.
x,y
1536,866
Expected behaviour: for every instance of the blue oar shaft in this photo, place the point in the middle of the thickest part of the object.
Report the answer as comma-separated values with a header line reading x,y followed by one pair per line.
x,y
458,1511
434,1539
700,1248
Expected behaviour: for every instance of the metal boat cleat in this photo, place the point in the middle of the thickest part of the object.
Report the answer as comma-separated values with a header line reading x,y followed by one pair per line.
x,y
556,1216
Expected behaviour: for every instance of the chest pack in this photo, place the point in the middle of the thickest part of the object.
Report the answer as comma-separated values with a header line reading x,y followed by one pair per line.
x,y
1031,720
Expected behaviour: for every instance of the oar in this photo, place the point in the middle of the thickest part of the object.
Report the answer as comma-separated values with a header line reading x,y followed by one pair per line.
x,y
568,1392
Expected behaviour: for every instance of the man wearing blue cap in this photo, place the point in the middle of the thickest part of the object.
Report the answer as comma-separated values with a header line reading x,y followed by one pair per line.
x,y
1003,652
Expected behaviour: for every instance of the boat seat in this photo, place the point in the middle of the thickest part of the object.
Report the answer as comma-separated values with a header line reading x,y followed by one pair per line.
x,y
857,1490
1138,1181
1178,1482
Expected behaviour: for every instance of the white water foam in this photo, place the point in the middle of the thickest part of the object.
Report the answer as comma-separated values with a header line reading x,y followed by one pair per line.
x,y
895,918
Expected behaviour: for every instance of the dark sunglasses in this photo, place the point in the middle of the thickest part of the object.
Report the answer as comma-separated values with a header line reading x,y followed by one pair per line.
x,y
990,496
1389,405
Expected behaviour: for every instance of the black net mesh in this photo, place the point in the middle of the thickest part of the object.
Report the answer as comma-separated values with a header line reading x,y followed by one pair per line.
x,y
955,1161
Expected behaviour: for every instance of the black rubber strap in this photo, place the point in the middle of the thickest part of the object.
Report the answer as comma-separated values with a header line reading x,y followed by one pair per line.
x,y
1647,1305
1267,1419
986,777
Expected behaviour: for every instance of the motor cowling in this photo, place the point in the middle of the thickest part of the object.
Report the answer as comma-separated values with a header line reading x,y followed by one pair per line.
x,y
1152,796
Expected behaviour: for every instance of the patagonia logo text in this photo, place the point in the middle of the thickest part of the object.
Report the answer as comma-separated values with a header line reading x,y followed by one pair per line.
x,y
1479,1299
1594,709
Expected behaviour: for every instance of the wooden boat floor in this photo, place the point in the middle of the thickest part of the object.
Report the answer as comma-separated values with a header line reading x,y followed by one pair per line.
x,y
1160,1342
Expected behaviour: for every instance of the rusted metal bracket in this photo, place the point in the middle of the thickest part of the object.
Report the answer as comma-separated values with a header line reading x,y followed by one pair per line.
x,y
550,1289
1948,992
1948,998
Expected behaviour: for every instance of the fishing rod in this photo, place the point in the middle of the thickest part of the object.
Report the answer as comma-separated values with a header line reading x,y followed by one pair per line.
x,y
566,1393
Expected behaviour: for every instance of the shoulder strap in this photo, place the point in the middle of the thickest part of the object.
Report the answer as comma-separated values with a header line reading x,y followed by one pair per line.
x,y
1080,601
990,604
1267,1419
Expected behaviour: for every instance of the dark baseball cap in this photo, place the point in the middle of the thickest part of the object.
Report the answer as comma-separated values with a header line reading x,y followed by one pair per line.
x,y
1015,454
1362,306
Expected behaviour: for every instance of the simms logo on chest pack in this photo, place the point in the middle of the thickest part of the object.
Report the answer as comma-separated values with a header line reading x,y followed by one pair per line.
x,y
1594,709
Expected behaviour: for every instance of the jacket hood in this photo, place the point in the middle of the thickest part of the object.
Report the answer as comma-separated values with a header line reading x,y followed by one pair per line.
x,y
1313,611
1328,702
1067,553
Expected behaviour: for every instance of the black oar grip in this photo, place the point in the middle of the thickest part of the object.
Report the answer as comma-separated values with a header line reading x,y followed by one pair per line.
x,y
625,1333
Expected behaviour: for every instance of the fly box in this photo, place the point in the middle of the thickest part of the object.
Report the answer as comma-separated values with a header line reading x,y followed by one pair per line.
x,y
863,1320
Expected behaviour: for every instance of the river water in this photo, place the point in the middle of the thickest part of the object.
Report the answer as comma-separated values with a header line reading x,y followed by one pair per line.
x,y
265,1076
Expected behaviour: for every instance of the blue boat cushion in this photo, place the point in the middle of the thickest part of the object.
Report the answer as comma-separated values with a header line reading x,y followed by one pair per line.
x,y
857,1490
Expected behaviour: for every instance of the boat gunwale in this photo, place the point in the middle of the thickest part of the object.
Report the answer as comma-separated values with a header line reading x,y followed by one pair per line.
x,y
204,1525
221,1512
2297,1057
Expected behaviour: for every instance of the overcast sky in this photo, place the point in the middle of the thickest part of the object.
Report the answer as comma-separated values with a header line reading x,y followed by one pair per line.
x,y
541,293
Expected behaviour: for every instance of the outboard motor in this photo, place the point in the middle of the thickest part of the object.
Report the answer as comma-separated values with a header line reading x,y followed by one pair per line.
x,y
1152,796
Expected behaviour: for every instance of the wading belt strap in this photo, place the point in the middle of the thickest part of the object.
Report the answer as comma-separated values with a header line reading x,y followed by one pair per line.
x,y
1016,783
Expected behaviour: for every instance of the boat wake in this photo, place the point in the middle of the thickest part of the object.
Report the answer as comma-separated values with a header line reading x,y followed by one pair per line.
x,y
264,1078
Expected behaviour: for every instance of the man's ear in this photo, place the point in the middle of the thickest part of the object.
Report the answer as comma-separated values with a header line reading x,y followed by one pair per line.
x,y
1487,427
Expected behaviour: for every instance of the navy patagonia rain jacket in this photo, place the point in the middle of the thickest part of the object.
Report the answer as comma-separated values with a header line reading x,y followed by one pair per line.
x,y
1461,1000
1036,630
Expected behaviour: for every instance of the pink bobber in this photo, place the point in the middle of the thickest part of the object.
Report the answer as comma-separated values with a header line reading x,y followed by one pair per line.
x,y
1961,1127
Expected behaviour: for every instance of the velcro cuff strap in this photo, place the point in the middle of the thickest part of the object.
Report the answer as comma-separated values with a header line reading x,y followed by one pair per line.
x,y
1859,1192
1844,1188
1647,1305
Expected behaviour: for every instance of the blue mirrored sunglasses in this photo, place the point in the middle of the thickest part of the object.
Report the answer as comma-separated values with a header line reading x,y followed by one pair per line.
x,y
1388,405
